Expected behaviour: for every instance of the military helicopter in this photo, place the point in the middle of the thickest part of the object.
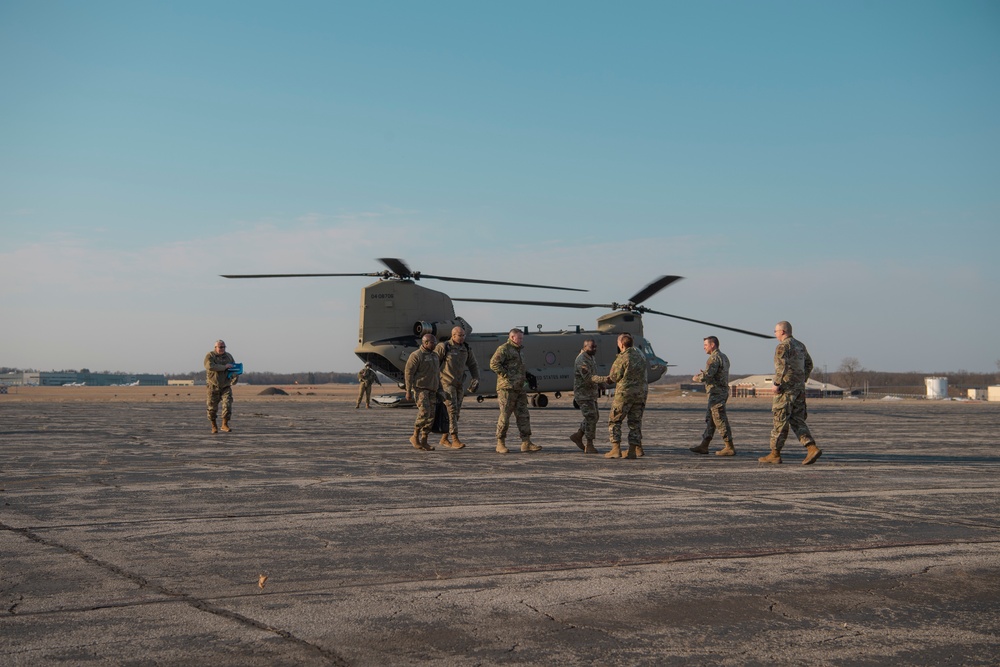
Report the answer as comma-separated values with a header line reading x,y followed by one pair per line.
x,y
396,312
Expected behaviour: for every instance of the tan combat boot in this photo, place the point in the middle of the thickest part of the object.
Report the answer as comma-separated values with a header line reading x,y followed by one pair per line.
x,y
773,457
455,442
702,448
415,438
423,443
578,439
444,440
590,449
215,427
529,446
812,453
501,446
631,453
225,425
728,450
616,451
639,451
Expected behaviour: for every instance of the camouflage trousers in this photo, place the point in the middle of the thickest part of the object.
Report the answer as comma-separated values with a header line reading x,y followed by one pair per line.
x,y
715,418
513,402
590,417
364,392
453,402
216,396
632,411
789,411
426,400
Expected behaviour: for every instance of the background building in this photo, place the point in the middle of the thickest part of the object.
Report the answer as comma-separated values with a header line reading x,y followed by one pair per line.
x,y
83,377
762,386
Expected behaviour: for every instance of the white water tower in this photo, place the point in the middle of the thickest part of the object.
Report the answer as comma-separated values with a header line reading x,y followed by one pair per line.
x,y
937,387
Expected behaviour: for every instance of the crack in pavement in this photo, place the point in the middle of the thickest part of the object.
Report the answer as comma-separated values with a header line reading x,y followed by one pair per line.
x,y
190,600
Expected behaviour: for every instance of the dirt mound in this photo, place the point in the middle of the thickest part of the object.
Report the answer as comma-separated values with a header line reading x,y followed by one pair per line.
x,y
273,391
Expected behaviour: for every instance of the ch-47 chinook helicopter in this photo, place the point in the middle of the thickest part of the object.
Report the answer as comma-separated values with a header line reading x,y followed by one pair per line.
x,y
396,312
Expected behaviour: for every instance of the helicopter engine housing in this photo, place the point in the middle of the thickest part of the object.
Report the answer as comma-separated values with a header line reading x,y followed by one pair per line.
x,y
441,330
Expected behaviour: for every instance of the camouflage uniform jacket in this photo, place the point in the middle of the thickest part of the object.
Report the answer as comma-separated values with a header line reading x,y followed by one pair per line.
x,y
367,376
423,370
508,364
454,360
215,370
629,373
716,374
584,387
792,364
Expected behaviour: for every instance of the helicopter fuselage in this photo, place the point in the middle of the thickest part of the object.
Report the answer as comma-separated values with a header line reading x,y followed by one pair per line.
x,y
395,314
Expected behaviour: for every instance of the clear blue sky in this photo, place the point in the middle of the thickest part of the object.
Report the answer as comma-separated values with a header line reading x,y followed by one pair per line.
x,y
835,164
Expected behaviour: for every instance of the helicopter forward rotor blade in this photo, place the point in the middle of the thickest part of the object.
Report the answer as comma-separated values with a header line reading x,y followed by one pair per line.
x,y
711,324
652,288
610,306
551,304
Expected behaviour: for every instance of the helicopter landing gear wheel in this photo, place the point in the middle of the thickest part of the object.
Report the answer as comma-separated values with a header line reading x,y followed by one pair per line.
x,y
542,400
479,399
558,394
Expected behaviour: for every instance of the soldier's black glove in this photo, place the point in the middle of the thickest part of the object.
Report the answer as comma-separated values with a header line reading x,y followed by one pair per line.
x,y
532,380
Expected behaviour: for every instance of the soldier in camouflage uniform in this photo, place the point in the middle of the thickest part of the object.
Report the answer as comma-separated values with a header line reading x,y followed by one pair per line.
x,y
219,385
716,379
792,367
366,377
586,393
630,373
512,396
422,376
456,356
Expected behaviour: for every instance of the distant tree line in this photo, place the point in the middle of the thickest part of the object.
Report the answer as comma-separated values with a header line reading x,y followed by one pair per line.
x,y
264,377
912,382
852,376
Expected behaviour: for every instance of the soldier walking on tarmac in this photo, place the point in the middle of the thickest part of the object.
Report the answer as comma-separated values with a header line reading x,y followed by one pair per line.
x,y
586,393
366,376
422,376
792,367
716,379
456,357
219,382
512,397
630,373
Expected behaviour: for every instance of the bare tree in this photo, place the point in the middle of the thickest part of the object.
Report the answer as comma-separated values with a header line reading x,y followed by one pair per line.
x,y
850,371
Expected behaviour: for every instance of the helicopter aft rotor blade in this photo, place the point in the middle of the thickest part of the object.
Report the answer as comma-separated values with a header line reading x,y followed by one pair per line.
x,y
553,304
652,288
302,275
397,268
400,268
499,282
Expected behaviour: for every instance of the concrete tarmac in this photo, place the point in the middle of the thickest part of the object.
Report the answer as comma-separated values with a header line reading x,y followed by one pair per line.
x,y
129,535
